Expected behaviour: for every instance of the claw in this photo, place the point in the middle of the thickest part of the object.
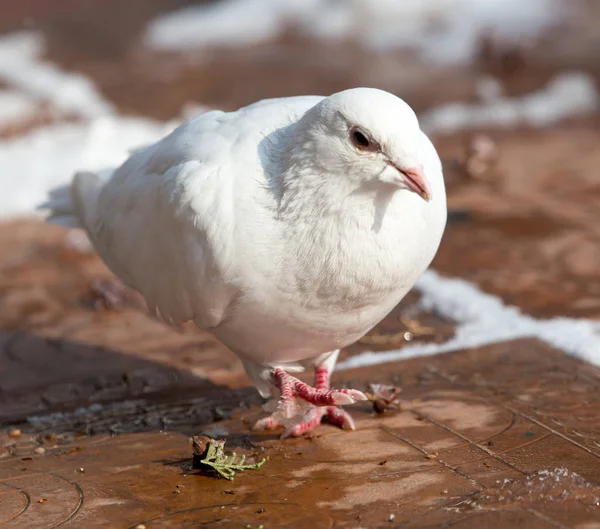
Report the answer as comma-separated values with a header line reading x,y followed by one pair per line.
x,y
340,399
339,417
355,394
266,423
307,426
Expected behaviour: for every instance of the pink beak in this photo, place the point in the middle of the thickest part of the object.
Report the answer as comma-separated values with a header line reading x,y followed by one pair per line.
x,y
414,178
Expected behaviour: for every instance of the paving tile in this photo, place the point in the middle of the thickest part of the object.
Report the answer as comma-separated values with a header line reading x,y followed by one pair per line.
x,y
530,234
478,459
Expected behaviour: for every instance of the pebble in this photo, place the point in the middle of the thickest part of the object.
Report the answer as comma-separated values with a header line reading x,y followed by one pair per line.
x,y
391,517
40,450
140,526
15,432
481,156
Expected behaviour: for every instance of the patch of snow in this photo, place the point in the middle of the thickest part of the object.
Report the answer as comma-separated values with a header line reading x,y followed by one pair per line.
x,y
34,164
16,107
489,88
483,319
566,95
22,67
446,30
225,23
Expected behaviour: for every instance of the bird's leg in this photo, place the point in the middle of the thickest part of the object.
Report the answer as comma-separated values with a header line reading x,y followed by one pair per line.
x,y
324,401
291,387
336,416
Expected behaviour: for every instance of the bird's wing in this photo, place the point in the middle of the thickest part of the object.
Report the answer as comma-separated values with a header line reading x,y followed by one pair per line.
x,y
165,221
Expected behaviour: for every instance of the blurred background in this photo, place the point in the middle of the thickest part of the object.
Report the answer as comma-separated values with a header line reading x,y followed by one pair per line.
x,y
152,57
508,90
115,72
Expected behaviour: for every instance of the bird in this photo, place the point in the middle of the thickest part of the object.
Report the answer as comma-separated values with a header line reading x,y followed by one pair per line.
x,y
287,228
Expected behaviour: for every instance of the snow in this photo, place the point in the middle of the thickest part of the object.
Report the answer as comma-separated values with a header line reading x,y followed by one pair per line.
x,y
447,30
484,319
22,67
568,94
47,157
16,107
228,23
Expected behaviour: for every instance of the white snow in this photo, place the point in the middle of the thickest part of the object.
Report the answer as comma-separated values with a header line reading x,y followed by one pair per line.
x,y
568,94
446,30
22,67
36,162
47,157
228,23
484,319
16,107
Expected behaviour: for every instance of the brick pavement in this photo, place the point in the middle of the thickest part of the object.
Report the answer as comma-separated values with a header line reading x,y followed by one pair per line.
x,y
105,397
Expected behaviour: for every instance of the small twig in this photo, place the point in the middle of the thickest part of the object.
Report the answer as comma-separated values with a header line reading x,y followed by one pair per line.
x,y
215,458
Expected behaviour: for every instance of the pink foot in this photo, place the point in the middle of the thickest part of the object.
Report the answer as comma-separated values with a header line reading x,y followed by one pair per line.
x,y
332,414
320,395
302,407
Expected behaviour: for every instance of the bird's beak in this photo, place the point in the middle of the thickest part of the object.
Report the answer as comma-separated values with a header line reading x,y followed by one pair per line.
x,y
414,178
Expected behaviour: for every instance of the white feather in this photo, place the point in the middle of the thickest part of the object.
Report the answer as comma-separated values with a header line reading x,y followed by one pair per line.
x,y
266,226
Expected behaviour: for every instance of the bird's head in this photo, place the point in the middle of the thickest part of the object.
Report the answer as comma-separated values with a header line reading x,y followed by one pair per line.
x,y
366,136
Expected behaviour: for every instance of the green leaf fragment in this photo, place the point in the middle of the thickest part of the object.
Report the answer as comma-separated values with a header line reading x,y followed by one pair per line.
x,y
226,466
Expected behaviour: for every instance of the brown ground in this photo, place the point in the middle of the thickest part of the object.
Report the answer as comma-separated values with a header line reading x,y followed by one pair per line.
x,y
98,399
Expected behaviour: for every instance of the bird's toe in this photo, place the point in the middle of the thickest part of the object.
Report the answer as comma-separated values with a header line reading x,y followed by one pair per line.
x,y
266,423
339,417
340,397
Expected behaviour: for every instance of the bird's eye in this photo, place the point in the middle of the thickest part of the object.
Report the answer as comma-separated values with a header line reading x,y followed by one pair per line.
x,y
360,139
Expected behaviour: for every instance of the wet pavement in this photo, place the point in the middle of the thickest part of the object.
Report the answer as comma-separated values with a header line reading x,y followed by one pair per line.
x,y
98,400
503,436
531,232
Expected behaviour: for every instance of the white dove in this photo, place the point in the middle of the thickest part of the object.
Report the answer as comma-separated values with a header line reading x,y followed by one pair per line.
x,y
288,229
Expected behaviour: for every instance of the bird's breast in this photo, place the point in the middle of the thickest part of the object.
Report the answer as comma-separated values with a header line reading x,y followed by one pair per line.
x,y
326,283
356,267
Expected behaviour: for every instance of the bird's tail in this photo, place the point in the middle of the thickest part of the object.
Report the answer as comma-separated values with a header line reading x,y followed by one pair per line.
x,y
74,205
60,206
